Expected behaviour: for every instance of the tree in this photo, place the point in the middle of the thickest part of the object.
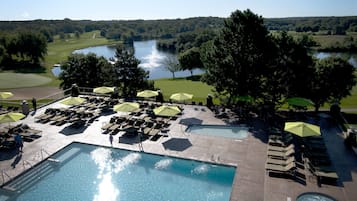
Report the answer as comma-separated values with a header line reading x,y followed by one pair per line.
x,y
289,72
190,59
235,60
32,46
333,80
83,70
126,73
172,64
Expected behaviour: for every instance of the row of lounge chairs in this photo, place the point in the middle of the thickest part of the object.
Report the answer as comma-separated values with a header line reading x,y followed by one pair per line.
x,y
281,155
317,159
60,116
8,133
4,110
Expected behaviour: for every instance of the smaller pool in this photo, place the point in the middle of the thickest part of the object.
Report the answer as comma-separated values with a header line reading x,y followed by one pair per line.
x,y
236,132
314,197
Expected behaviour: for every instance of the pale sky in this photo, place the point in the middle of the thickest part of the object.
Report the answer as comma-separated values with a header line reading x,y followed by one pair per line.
x,y
168,9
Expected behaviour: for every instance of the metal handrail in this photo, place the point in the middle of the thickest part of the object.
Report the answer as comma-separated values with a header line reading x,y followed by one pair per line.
x,y
3,174
27,162
46,152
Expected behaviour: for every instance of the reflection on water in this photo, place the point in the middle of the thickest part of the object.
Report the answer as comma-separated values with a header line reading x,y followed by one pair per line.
x,y
201,169
351,58
146,51
163,164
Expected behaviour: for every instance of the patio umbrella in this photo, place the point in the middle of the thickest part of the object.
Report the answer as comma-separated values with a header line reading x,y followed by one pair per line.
x,y
103,90
72,101
302,129
300,102
126,107
11,117
147,93
166,111
5,94
181,96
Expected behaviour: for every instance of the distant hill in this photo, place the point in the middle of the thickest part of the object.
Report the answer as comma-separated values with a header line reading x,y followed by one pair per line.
x,y
129,30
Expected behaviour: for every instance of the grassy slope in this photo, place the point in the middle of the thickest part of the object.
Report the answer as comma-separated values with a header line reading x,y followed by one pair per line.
x,y
12,80
59,50
197,88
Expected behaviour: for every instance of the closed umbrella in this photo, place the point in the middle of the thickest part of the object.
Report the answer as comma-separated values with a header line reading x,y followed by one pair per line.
x,y
300,102
103,90
181,96
302,129
166,111
11,117
147,94
72,101
5,94
126,107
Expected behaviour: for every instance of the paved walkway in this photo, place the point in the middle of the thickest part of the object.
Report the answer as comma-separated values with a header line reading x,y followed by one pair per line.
x,y
248,155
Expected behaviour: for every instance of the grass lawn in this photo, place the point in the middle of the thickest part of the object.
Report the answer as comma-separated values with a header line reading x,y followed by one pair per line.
x,y
198,89
20,80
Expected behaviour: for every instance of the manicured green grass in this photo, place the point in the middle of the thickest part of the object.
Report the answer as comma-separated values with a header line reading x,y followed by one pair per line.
x,y
350,101
198,89
20,80
60,49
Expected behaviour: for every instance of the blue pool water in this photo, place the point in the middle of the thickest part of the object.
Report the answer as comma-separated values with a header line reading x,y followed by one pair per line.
x,y
312,196
236,132
87,172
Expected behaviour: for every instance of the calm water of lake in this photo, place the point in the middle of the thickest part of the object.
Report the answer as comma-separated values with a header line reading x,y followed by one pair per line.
x,y
150,57
350,57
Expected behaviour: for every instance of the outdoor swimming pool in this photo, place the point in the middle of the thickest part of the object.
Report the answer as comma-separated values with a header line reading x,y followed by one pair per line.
x,y
236,132
88,172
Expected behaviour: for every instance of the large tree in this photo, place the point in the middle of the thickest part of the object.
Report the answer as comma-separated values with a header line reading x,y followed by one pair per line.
x,y
83,70
190,59
127,74
333,80
235,60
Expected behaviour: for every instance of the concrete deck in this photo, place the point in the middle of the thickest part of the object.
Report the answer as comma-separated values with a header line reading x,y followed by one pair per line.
x,y
248,155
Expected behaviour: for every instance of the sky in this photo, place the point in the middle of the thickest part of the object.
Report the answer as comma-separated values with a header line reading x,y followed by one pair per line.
x,y
168,9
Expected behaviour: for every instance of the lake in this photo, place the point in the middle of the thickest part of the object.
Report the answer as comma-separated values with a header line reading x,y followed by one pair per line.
x,y
350,57
150,59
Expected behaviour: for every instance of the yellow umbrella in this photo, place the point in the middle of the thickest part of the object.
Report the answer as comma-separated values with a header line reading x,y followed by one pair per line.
x,y
11,117
103,90
166,111
181,96
72,100
126,107
302,129
147,93
5,94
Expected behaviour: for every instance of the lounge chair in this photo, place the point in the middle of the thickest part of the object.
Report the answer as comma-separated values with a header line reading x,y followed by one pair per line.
x,y
280,148
281,161
281,169
280,154
281,141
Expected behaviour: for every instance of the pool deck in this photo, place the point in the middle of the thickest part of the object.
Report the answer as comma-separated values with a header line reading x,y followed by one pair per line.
x,y
249,155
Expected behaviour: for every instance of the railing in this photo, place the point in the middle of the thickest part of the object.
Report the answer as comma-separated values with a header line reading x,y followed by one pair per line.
x,y
3,175
44,151
24,162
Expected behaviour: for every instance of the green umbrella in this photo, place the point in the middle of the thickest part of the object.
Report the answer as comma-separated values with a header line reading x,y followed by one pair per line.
x,y
147,93
181,96
5,94
301,102
126,107
103,90
302,129
166,111
11,117
72,101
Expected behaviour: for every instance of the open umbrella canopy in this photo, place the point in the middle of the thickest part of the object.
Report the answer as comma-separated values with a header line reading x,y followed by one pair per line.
x,y
302,129
126,107
11,117
181,96
72,101
301,102
166,111
5,94
103,90
147,93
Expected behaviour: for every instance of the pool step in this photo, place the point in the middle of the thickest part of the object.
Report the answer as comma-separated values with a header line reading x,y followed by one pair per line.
x,y
31,176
